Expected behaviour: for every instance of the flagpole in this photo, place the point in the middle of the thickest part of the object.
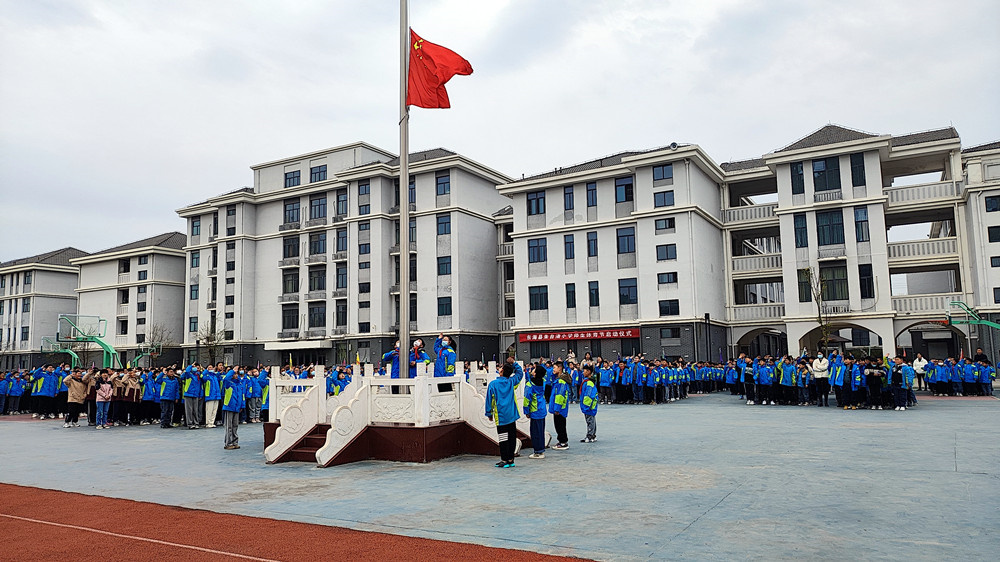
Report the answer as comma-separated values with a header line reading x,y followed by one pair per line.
x,y
404,192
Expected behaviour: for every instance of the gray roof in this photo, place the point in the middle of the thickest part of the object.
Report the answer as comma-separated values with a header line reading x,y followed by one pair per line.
x,y
55,257
995,145
424,155
828,134
240,190
925,136
505,212
612,160
743,165
170,240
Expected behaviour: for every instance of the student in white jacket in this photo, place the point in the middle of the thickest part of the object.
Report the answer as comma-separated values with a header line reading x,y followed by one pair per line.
x,y
821,374
918,368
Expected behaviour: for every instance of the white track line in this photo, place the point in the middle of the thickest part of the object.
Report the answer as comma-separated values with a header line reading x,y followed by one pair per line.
x,y
133,537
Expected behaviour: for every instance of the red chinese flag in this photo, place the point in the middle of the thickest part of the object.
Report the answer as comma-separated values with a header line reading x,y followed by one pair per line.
x,y
431,66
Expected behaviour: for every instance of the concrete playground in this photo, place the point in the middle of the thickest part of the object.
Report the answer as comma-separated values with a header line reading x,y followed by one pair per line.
x,y
708,477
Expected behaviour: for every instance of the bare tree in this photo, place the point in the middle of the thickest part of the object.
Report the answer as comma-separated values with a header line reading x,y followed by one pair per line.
x,y
816,287
159,336
211,338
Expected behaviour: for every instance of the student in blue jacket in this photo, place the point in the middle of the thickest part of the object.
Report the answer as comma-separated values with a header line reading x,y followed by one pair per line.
x,y
534,408
232,402
501,409
191,387
588,404
211,382
169,391
559,405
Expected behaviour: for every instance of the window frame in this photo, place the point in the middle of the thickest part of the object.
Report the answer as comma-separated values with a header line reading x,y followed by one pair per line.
x,y
536,202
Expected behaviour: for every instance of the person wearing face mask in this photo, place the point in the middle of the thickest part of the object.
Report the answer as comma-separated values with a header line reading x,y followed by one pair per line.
x,y
444,365
417,354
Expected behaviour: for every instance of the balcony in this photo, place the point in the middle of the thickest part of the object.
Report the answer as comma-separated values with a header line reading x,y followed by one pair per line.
x,y
211,305
508,286
315,296
316,333
506,324
754,264
339,218
123,309
121,341
288,334
394,249
288,297
505,250
837,307
921,193
289,226
919,249
769,311
339,293
831,251
289,262
750,213
339,331
316,258
316,222
123,278
829,195
340,256
937,304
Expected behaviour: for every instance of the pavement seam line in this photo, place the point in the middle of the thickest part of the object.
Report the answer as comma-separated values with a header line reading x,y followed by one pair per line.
x,y
133,537
738,486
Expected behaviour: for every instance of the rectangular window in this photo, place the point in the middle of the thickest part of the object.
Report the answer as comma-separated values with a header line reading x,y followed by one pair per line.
x,y
861,224
801,231
140,322
666,278
24,332
317,278
364,265
292,178
623,190
538,298
994,233
290,281
996,300
412,190
592,194
364,249
317,243
626,240
364,187
230,245
291,211
664,172
365,304
230,300
858,169
568,247
230,266
317,315
341,275
666,224
867,280
826,174
537,251
364,327
364,287
805,286
290,317
594,293
443,224
628,291
830,228
317,173
317,207
195,227
230,231
671,307
536,203
570,295
670,333
140,307
444,265
229,281
442,182
860,337
364,209
444,306
798,179
193,324
568,198
230,315
666,252
364,225
143,260
143,275
539,349
834,282
341,234
194,292
663,199
993,203
195,259
141,289
230,210
995,261
26,304
290,247
592,244
341,202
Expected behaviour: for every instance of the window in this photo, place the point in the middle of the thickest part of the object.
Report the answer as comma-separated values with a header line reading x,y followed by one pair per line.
x,y
230,316
663,199
665,172
826,174
230,231
413,229
594,293
994,233
290,317
536,250
996,300
568,198
364,225
666,252
317,207
290,247
215,224
867,280
666,278
317,243
444,306
364,209
801,232
341,202
195,259
195,227
140,322
317,315
230,266
413,308
194,292
140,307
858,169
341,314
670,307
317,278
317,173
230,300
292,178
143,260
365,304
230,245
570,295
290,281
364,265
995,261
24,333
666,224
993,203
143,275
341,235
230,210
193,324
141,289
539,349
626,240
364,287
412,190
623,190
805,286
568,246
229,281
341,276
861,224
443,225
364,249
123,296
592,194
536,203
670,333
628,291
364,187
592,244
538,298
798,179
364,327
444,265
442,181
830,228
291,211
834,280
26,304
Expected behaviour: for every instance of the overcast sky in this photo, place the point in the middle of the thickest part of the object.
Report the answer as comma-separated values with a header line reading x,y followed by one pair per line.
x,y
114,114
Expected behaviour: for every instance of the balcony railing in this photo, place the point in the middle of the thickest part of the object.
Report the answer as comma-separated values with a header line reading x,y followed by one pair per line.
x,y
288,297
506,249
939,303
830,195
289,262
921,192
750,213
831,251
123,309
769,311
506,324
757,263
121,341
289,226
934,247
123,278
508,287
316,258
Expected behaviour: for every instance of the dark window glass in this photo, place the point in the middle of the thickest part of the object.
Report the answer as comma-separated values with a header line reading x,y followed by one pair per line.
x,y
867,280
443,224
341,275
536,203
290,281
196,258
666,278
444,306
628,291
364,187
830,228
290,317
670,307
826,174
539,349
230,300
443,183
364,287
670,333
592,194
664,172
341,312
194,292
594,293
798,179
290,247
364,209
317,173
805,286
569,247
291,211
317,278
666,252
536,250
993,203
444,265
666,224
317,243
663,199
364,249
192,323
341,202
861,224
570,295
858,169
592,244
995,261
801,231
317,206
623,190
834,281
626,240
292,178
568,198
341,234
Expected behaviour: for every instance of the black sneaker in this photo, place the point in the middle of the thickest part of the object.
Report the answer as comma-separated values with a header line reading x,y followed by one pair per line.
x,y
509,464
501,463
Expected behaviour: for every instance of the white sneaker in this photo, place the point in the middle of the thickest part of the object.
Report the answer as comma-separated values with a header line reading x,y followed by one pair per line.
x,y
748,402
75,424
34,416
772,402
66,424
100,427
903,409
52,416
536,456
